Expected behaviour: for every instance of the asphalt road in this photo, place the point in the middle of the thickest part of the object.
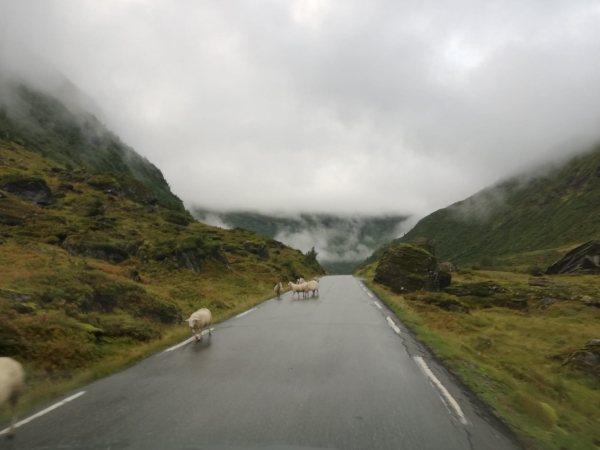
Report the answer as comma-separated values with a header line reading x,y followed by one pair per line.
x,y
329,372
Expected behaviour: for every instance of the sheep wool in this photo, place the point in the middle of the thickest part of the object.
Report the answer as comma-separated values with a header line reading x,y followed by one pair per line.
x,y
198,321
12,378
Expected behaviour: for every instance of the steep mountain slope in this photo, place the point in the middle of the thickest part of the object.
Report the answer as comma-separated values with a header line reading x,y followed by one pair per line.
x,y
73,137
557,207
97,268
342,242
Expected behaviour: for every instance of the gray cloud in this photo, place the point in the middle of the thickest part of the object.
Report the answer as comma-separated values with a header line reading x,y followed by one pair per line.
x,y
328,106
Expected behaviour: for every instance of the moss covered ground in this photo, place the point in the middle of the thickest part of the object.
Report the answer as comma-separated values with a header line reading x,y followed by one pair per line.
x,y
507,336
102,274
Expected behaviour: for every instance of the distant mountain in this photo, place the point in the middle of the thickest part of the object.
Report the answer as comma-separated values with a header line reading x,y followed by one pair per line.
x,y
61,129
341,242
555,207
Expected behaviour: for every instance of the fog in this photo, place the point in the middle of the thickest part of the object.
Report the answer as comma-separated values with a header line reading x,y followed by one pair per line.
x,y
380,107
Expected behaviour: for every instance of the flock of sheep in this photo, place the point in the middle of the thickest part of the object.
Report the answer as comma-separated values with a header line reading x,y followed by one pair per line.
x,y
12,375
301,285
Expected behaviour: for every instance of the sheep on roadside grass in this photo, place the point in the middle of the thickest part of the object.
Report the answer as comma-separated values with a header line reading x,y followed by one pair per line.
x,y
199,320
278,289
301,287
12,378
313,286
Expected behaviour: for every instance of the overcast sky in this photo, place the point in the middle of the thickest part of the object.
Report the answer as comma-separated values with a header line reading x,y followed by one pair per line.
x,y
329,106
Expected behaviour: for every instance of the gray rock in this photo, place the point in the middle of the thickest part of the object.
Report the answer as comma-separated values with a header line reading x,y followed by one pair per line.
x,y
585,258
30,189
587,359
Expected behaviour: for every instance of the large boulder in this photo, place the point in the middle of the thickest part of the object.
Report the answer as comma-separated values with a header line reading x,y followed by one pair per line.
x,y
585,258
425,244
30,189
587,359
408,268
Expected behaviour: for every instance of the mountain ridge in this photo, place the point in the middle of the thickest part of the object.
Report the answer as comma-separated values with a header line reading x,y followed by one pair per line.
x,y
550,208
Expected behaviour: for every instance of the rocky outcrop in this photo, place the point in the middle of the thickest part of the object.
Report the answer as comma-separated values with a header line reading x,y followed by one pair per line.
x,y
33,190
587,359
104,252
585,258
10,220
122,186
260,249
408,268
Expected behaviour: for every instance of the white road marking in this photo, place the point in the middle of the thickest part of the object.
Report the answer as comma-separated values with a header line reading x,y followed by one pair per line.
x,y
45,411
244,313
393,325
377,304
369,294
187,341
448,399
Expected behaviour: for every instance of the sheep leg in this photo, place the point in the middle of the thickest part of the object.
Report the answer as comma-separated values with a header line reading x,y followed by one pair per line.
x,y
13,399
209,324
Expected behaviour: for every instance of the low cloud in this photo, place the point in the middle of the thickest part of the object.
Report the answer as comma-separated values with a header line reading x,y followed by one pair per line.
x,y
344,107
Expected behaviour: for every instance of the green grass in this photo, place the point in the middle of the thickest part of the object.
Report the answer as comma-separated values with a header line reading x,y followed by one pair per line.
x,y
513,358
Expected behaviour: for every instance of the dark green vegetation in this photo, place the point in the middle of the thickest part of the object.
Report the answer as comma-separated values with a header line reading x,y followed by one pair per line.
x,y
525,345
43,124
98,267
348,239
550,212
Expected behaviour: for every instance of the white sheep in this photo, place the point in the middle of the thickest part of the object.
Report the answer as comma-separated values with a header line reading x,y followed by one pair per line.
x,y
313,286
12,378
199,320
301,287
278,289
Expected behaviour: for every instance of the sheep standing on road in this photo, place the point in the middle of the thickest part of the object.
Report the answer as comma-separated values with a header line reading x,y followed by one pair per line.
x,y
199,320
12,378
278,289
301,287
313,286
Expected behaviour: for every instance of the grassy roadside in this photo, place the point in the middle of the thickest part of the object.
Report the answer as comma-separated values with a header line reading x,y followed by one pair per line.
x,y
43,389
512,358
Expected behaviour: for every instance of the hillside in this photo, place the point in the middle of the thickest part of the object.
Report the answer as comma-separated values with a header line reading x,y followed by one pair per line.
x,y
98,268
342,242
74,138
552,209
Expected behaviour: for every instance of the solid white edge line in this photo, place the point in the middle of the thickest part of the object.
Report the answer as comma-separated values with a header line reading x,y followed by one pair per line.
x,y
393,325
442,390
377,304
175,347
244,313
45,411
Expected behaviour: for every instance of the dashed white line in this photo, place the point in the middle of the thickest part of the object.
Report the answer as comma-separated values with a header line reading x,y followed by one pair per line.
x,y
377,304
369,294
45,411
187,341
448,399
393,325
244,313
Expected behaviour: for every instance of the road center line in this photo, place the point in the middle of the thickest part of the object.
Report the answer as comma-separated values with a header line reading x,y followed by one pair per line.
x,y
442,390
377,304
244,313
187,341
393,325
45,411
